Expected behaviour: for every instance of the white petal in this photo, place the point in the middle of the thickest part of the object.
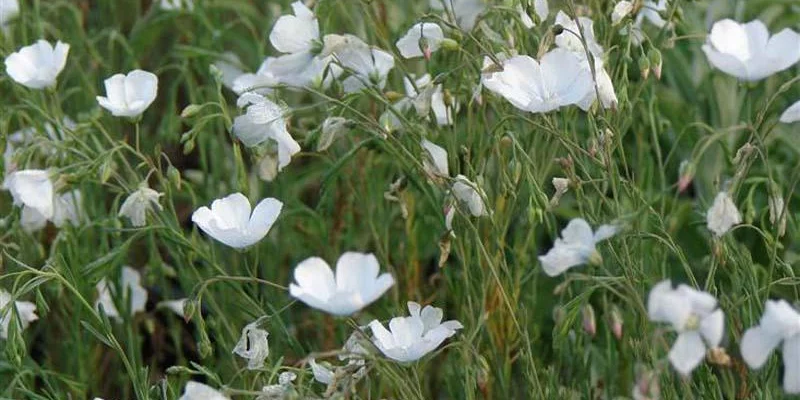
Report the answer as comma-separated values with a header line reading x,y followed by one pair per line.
x,y
408,45
321,374
314,278
712,328
756,346
687,352
198,391
264,215
295,33
722,215
791,365
436,158
792,114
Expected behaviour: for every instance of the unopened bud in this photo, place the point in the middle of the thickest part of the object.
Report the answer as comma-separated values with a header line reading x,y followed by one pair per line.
x,y
644,67
589,321
190,110
393,96
557,29
616,322
174,176
686,172
449,44
654,56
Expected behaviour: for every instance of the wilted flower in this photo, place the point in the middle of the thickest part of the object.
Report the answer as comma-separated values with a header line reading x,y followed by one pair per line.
x,y
129,95
780,324
792,114
576,246
562,186
264,120
229,220
355,285
465,12
177,306
722,215
621,10
26,312
322,374
136,205
693,315
467,192
746,51
37,66
414,336
435,159
130,284
777,213
422,39
332,127
368,66
558,79
281,390
253,345
198,391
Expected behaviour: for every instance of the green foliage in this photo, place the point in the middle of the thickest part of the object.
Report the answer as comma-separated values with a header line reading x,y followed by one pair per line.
x,y
523,335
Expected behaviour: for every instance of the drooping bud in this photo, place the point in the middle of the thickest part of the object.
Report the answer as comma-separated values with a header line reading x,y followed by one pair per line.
x,y
655,59
449,44
686,172
616,322
557,29
190,110
589,321
644,67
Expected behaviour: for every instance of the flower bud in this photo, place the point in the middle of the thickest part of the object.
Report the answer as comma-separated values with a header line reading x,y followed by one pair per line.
x,y
449,44
589,321
616,322
644,67
557,29
190,110
174,176
686,172
654,57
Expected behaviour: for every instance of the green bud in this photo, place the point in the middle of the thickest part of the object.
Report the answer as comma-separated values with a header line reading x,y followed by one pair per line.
x,y
449,44
174,176
654,56
190,110
557,29
644,67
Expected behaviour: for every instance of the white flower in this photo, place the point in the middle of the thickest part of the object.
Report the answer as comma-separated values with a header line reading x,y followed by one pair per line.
x,y
136,205
780,324
541,8
435,159
37,66
198,391
558,80
355,285
297,36
427,97
230,65
264,120
576,246
260,82
465,12
253,345
649,11
567,40
410,338
230,222
26,313
175,5
746,51
792,114
130,284
468,193
129,95
32,189
410,46
9,9
621,10
367,66
693,315
722,215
